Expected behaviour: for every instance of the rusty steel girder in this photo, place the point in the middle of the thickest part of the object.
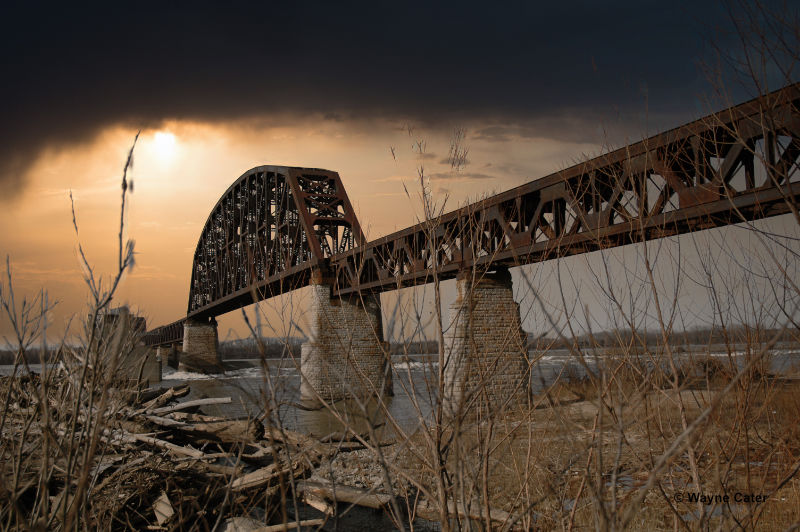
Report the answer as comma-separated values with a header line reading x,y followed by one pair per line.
x,y
736,165
165,335
275,225
263,237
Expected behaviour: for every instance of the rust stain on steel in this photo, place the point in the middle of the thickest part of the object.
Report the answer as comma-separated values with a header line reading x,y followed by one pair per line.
x,y
275,227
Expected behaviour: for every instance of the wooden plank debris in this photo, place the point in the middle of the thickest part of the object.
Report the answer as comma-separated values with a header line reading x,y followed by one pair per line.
x,y
291,526
242,430
163,509
192,404
175,392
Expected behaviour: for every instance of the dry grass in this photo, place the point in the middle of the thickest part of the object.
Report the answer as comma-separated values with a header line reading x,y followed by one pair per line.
x,y
565,453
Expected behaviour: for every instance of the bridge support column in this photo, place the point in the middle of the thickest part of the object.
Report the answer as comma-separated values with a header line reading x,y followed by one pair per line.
x,y
174,355
486,365
345,355
200,351
162,355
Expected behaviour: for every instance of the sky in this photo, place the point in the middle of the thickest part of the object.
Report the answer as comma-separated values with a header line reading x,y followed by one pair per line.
x,y
373,91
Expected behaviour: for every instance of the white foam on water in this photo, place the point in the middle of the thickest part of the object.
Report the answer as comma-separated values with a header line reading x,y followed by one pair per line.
x,y
189,376
242,373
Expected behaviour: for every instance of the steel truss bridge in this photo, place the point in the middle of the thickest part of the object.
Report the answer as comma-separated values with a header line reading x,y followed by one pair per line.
x,y
276,227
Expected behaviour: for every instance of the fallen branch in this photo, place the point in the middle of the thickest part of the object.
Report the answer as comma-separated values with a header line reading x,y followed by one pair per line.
x,y
230,431
189,417
177,449
337,493
318,503
265,475
371,499
429,511
192,404
173,393
291,526
288,436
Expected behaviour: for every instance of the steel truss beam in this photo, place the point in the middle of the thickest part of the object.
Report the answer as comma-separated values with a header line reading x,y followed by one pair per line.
x,y
736,165
264,235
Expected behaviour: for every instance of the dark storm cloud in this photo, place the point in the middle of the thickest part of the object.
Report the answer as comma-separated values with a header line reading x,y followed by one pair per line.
x,y
69,71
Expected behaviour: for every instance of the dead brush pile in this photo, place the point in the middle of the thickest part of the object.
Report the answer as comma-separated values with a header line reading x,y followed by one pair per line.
x,y
102,460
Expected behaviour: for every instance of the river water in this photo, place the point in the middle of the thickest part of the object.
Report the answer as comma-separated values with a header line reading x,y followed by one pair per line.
x,y
251,389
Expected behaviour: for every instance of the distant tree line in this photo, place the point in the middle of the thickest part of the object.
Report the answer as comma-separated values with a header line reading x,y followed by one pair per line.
x,y
247,348
33,356
737,334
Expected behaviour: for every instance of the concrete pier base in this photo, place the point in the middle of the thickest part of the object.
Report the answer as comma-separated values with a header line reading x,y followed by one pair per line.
x,y
162,355
345,355
486,366
200,351
174,355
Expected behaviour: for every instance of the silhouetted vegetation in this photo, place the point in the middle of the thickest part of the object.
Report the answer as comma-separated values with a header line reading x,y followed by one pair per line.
x,y
33,356
704,337
248,348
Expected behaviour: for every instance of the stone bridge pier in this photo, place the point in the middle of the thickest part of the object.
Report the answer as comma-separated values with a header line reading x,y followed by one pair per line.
x,y
168,355
162,354
200,350
486,367
345,355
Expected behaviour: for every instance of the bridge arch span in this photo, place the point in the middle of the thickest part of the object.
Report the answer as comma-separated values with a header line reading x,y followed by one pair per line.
x,y
266,233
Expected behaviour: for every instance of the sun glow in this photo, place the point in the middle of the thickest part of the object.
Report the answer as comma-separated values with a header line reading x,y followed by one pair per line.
x,y
164,144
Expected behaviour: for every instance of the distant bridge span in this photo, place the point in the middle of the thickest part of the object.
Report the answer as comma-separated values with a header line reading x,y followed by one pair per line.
x,y
274,226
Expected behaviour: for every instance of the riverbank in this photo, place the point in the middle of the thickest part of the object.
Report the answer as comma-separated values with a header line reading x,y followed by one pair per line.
x,y
632,445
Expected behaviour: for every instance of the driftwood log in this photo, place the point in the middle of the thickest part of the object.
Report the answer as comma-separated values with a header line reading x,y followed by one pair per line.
x,y
172,393
191,404
265,475
372,499
243,430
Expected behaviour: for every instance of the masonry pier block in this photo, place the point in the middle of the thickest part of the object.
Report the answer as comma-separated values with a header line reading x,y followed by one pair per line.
x,y
200,351
486,365
162,355
174,355
345,355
